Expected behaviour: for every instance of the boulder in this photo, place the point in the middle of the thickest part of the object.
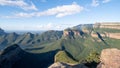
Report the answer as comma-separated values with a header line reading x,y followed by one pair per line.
x,y
110,58
65,65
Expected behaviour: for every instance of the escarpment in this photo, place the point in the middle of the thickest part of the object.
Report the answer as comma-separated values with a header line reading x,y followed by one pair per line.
x,y
107,29
111,25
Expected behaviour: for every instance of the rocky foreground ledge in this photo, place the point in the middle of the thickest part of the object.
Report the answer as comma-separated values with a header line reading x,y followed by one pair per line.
x,y
65,65
110,58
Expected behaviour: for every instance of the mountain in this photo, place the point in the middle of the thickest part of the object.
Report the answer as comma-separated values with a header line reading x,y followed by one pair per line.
x,y
7,39
15,57
28,39
79,44
2,31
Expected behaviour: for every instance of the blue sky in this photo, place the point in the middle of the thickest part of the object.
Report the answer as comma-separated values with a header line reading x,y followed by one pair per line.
x,y
56,14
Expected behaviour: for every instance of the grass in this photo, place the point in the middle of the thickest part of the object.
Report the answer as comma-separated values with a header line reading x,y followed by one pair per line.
x,y
62,56
101,30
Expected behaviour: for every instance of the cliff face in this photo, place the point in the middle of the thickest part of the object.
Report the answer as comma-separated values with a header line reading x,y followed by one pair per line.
x,y
67,33
73,33
115,25
107,29
110,58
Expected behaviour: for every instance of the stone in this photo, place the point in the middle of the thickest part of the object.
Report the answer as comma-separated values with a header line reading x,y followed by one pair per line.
x,y
110,58
65,65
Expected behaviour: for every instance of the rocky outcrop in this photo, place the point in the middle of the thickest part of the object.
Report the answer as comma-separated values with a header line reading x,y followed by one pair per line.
x,y
72,33
113,32
112,25
85,30
109,35
65,33
64,65
110,58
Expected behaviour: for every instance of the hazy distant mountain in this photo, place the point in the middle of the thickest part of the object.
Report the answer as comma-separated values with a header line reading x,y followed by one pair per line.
x,y
2,31
28,38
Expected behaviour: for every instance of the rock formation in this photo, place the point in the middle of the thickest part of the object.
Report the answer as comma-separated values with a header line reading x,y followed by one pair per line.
x,y
109,29
64,65
114,25
110,58
72,33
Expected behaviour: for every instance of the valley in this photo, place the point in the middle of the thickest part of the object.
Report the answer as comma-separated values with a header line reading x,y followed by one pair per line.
x,y
72,45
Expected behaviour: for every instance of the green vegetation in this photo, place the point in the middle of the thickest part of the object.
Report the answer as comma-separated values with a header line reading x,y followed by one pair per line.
x,y
75,48
93,57
62,56
109,30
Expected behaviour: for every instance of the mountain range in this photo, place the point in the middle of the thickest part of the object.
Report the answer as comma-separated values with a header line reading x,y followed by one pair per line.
x,y
76,44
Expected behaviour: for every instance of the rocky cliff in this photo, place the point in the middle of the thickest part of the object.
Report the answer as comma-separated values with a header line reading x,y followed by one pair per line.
x,y
107,29
73,33
112,25
64,65
110,58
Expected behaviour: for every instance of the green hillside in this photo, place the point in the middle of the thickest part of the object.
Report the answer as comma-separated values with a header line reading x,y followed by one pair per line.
x,y
76,43
62,56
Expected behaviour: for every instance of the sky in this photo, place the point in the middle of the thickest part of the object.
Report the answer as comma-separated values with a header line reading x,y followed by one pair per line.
x,y
56,14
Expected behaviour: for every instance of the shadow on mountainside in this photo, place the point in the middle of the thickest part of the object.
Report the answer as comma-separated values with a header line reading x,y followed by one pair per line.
x,y
91,64
29,49
63,49
99,36
15,57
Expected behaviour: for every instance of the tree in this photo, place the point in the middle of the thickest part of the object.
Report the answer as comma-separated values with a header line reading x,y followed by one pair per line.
x,y
93,57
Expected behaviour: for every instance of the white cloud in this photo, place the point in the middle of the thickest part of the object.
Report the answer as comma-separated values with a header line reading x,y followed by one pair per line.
x,y
48,26
61,11
106,1
52,26
58,11
19,3
95,3
37,26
